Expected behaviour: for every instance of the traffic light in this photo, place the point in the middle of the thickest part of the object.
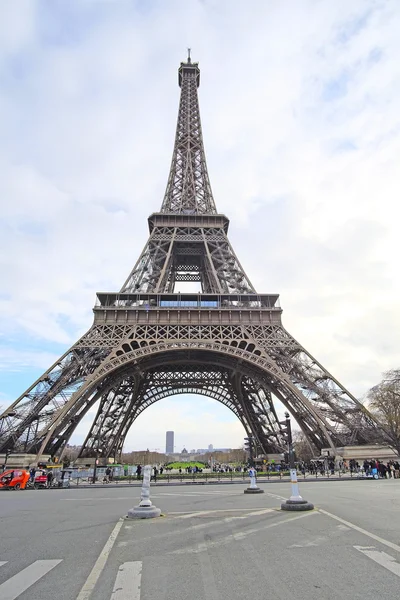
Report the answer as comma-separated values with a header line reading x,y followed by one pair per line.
x,y
285,428
249,447
248,444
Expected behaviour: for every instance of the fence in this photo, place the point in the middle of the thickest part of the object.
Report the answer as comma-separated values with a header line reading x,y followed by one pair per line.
x,y
203,478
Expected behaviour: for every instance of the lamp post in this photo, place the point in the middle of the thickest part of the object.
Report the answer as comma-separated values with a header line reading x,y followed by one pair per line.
x,y
96,460
248,446
7,454
290,441
295,502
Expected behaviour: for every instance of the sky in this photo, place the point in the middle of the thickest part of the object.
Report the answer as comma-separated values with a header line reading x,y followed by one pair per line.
x,y
299,104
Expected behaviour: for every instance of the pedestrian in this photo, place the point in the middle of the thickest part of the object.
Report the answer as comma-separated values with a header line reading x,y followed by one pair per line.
x,y
32,474
155,472
49,478
138,471
107,475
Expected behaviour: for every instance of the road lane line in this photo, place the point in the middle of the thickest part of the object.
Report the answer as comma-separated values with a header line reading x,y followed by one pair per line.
x,y
205,546
3,562
95,573
276,496
262,511
227,519
207,571
187,514
125,498
361,530
383,559
19,583
127,582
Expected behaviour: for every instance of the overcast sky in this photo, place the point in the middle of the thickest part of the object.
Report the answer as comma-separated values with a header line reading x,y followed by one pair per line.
x,y
300,111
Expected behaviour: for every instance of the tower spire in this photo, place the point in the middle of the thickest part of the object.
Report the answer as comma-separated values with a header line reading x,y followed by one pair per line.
x,y
188,188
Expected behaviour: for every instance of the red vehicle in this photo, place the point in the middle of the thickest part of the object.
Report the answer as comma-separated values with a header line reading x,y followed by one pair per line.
x,y
14,479
40,480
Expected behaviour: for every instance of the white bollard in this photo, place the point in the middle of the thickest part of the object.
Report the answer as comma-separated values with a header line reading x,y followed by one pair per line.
x,y
146,509
296,502
253,489
295,497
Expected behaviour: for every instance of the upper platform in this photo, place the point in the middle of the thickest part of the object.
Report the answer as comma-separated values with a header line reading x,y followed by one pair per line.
x,y
191,69
146,302
188,219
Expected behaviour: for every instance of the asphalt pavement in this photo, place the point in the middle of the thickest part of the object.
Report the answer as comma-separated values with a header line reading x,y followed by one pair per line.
x,y
212,543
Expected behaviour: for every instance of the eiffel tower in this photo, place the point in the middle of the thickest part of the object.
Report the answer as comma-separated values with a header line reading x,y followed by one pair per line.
x,y
149,341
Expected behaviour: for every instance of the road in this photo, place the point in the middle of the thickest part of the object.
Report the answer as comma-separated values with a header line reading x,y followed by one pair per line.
x,y
214,543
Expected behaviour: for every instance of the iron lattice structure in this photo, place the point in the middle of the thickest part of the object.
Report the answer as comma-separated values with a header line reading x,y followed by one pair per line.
x,y
148,342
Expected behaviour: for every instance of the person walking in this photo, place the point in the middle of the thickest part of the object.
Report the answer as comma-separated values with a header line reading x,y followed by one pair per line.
x,y
49,478
138,471
108,475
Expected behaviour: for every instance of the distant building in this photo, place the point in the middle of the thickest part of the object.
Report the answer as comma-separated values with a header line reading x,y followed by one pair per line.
x,y
210,448
169,443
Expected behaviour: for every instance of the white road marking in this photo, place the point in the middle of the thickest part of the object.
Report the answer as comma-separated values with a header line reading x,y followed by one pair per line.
x,y
125,498
276,496
19,583
95,573
154,495
199,513
207,524
3,562
383,559
205,546
187,514
127,582
361,530
262,511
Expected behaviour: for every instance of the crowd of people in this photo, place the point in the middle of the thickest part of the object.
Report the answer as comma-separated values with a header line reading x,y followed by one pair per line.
x,y
390,470
323,466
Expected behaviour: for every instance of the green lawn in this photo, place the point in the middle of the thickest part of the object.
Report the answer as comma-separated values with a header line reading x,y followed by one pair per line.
x,y
185,465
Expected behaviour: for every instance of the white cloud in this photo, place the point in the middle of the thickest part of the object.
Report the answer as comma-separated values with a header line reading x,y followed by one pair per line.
x,y
299,106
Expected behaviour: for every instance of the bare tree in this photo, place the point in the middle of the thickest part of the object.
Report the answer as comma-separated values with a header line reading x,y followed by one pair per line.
x,y
143,457
302,447
384,401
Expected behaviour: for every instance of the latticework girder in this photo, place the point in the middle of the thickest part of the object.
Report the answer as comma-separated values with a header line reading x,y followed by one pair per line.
x,y
188,188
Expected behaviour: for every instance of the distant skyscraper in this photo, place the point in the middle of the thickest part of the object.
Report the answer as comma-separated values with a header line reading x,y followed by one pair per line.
x,y
210,448
169,444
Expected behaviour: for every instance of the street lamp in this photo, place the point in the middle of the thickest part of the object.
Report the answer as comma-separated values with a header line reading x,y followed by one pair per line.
x,y
295,502
290,441
248,446
96,460
7,454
